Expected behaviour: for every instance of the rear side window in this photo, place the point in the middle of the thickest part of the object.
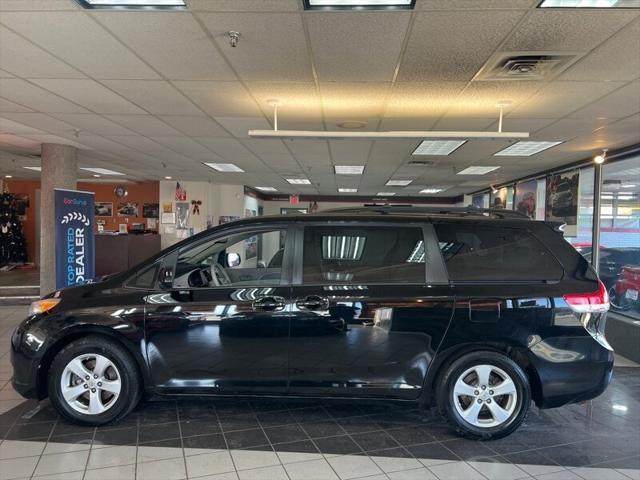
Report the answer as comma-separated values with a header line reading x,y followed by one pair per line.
x,y
473,252
363,254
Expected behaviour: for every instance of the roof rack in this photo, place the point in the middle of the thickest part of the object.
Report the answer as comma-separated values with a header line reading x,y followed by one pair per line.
x,y
411,209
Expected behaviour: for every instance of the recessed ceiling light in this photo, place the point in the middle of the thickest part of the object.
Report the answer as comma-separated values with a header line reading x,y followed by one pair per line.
x,y
101,171
8,176
628,185
347,190
352,125
398,183
299,181
385,194
266,189
357,4
349,169
431,190
590,4
168,177
35,169
477,170
438,147
525,149
96,175
224,167
134,4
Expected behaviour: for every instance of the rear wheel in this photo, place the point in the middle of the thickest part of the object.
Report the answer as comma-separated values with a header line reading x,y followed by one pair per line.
x,y
93,381
484,395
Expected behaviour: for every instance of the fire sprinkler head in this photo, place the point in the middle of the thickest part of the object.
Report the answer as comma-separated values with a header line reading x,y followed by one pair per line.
x,y
233,38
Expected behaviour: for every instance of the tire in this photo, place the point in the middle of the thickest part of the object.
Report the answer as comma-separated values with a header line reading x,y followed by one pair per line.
x,y
619,302
116,391
463,375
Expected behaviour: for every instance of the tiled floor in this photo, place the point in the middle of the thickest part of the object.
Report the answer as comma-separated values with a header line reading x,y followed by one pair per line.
x,y
222,439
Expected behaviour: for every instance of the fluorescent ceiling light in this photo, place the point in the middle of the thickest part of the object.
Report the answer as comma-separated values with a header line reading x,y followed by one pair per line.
x,y
357,4
590,4
266,189
431,190
347,190
134,4
398,183
477,170
349,169
323,134
224,167
385,194
525,149
298,181
101,171
438,147
36,169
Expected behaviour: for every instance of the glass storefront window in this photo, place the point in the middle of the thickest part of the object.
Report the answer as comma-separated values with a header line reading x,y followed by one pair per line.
x,y
620,235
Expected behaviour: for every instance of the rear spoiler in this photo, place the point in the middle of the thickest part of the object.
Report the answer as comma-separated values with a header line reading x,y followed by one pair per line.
x,y
557,226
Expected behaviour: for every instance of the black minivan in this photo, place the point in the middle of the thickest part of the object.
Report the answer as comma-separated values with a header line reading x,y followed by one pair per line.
x,y
475,311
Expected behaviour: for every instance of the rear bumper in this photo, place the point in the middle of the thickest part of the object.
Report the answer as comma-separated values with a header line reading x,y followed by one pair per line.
x,y
570,369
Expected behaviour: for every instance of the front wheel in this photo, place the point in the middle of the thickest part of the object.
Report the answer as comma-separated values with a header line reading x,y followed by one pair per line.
x,y
93,381
484,395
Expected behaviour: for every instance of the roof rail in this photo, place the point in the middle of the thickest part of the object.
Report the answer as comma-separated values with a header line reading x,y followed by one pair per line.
x,y
428,210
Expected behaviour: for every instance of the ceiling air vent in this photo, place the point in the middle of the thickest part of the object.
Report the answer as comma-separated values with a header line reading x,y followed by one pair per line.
x,y
526,66
420,163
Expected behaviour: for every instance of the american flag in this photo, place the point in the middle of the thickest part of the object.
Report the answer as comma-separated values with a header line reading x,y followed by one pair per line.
x,y
181,193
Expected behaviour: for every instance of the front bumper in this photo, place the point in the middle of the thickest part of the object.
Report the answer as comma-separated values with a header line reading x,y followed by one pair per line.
x,y
26,358
570,369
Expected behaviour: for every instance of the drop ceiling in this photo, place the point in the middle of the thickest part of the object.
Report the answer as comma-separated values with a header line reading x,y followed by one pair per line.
x,y
155,94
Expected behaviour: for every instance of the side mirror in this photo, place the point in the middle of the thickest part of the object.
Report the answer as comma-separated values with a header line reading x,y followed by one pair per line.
x,y
233,259
165,277
262,264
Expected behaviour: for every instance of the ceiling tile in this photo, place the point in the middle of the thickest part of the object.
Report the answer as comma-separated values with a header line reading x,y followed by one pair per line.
x,y
570,29
9,5
92,123
433,53
7,106
557,99
353,101
239,126
35,97
16,128
172,42
76,38
422,99
24,59
8,141
616,59
479,99
357,45
244,5
39,121
221,99
187,147
229,148
137,142
620,103
155,97
272,46
144,124
298,101
474,4
89,94
195,126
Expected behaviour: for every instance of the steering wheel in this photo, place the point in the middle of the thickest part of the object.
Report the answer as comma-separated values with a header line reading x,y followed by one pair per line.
x,y
219,274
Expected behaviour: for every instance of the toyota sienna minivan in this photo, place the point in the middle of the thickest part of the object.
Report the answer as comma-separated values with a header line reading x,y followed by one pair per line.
x,y
477,312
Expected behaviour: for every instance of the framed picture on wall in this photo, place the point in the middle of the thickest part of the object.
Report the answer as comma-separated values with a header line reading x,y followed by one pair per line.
x,y
128,209
526,198
150,210
562,200
167,207
103,209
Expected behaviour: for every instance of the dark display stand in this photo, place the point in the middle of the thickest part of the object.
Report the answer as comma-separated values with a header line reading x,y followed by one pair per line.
x,y
13,246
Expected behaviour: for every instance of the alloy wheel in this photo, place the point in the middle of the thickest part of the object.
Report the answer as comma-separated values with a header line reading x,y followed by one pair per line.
x,y
485,396
90,384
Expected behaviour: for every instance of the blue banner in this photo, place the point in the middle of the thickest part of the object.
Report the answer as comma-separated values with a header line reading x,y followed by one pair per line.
x,y
75,241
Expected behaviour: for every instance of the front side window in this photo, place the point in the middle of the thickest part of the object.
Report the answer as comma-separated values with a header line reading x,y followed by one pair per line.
x,y
476,252
363,254
240,259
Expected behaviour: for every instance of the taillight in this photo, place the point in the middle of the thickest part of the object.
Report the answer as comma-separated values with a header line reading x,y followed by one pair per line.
x,y
594,302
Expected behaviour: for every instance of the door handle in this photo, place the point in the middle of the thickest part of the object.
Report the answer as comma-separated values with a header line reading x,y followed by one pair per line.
x,y
269,304
312,302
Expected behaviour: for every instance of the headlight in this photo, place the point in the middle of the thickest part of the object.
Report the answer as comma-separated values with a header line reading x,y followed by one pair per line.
x,y
42,306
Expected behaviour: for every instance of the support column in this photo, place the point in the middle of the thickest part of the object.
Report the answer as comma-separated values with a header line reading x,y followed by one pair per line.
x,y
597,202
59,170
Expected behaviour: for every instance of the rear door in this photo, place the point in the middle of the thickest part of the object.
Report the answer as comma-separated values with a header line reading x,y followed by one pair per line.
x,y
370,308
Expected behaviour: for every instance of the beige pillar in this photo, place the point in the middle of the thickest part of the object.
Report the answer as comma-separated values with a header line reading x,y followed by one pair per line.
x,y
59,170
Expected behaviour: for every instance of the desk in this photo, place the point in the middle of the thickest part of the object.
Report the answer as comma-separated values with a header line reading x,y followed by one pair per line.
x,y
116,253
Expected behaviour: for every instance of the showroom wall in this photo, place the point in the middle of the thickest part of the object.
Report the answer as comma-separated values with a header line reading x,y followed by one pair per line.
x,y
137,193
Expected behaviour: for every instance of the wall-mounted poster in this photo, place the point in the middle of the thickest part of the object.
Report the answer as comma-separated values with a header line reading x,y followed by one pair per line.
x,y
499,199
181,193
21,203
167,207
251,243
562,200
128,209
103,209
526,198
227,218
182,215
150,210
477,201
